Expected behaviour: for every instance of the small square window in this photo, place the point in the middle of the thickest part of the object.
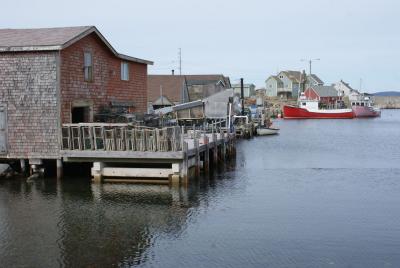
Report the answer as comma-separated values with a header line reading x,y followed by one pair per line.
x,y
124,71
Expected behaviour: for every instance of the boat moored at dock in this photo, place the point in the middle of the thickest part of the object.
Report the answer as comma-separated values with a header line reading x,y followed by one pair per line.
x,y
267,131
309,109
365,108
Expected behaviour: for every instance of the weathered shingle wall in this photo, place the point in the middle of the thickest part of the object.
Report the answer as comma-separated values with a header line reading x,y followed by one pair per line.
x,y
28,87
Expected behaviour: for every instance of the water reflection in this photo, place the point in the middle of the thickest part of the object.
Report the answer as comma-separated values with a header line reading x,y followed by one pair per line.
x,y
321,194
75,223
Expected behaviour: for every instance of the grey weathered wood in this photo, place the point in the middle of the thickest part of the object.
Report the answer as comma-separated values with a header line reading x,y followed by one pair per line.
x,y
121,154
60,171
215,155
206,165
197,156
185,164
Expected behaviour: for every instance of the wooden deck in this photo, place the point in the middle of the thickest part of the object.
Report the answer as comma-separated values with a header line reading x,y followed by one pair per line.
x,y
104,144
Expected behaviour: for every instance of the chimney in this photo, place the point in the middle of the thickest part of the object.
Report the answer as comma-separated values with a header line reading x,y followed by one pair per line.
x,y
173,72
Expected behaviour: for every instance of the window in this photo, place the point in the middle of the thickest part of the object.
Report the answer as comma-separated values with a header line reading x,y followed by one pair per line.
x,y
88,66
124,71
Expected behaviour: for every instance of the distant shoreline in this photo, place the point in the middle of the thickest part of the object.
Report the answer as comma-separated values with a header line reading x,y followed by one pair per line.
x,y
387,102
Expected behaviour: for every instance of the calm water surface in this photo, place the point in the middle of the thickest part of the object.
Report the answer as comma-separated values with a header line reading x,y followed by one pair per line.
x,y
321,194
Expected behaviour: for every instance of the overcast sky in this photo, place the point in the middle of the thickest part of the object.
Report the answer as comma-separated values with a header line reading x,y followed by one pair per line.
x,y
355,39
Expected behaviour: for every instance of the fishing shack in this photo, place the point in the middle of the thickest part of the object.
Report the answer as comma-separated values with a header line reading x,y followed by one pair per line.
x,y
55,76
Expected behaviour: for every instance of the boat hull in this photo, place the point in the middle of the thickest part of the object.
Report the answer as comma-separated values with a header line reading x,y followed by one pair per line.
x,y
293,112
267,131
364,111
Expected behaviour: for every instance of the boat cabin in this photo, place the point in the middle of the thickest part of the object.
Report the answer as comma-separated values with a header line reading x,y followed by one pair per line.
x,y
308,104
366,101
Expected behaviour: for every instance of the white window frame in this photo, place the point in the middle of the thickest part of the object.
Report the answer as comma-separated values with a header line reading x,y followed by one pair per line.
x,y
88,66
124,71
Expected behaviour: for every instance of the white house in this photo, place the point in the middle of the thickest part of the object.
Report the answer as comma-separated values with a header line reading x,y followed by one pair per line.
x,y
344,88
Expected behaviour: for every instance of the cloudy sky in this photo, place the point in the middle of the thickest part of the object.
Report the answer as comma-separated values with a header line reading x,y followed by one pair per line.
x,y
358,39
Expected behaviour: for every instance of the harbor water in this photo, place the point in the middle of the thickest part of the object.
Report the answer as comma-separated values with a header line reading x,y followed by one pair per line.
x,y
323,193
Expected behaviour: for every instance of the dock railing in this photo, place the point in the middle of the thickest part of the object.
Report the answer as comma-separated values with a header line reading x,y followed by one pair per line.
x,y
121,137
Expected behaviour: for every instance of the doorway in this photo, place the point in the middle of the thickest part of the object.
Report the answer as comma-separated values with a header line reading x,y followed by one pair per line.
x,y
80,114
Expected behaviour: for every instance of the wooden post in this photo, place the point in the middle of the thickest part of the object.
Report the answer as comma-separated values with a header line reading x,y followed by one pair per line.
x,y
197,156
230,145
206,165
224,150
185,168
97,171
222,145
215,150
182,137
23,166
59,168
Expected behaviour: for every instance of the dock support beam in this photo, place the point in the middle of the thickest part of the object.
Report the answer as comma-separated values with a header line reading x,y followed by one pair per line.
x,y
185,164
23,166
197,157
59,169
206,165
97,170
215,150
223,146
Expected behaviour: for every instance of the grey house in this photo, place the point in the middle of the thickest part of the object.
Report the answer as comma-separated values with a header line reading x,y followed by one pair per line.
x,y
285,85
272,84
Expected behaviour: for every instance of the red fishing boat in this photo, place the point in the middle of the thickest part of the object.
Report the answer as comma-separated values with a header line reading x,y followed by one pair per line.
x,y
309,109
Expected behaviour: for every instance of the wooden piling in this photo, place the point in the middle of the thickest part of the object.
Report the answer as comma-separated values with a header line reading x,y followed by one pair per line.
x,y
223,146
185,168
197,156
23,166
206,165
215,150
60,170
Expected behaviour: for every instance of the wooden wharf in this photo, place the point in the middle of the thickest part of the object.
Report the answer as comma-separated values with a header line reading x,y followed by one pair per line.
x,y
121,152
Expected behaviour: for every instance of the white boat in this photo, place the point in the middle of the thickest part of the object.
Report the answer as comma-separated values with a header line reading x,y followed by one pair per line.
x,y
267,131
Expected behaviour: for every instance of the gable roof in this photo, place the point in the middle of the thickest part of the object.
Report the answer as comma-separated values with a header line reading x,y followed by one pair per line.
x,y
202,79
276,78
346,84
316,79
325,91
172,85
47,39
294,75
162,100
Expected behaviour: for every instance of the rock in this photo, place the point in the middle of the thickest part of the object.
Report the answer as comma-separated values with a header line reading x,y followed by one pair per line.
x,y
33,177
6,171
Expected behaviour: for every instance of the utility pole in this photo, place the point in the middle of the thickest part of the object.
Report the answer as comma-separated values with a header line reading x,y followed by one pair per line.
x,y
180,61
310,61
242,94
